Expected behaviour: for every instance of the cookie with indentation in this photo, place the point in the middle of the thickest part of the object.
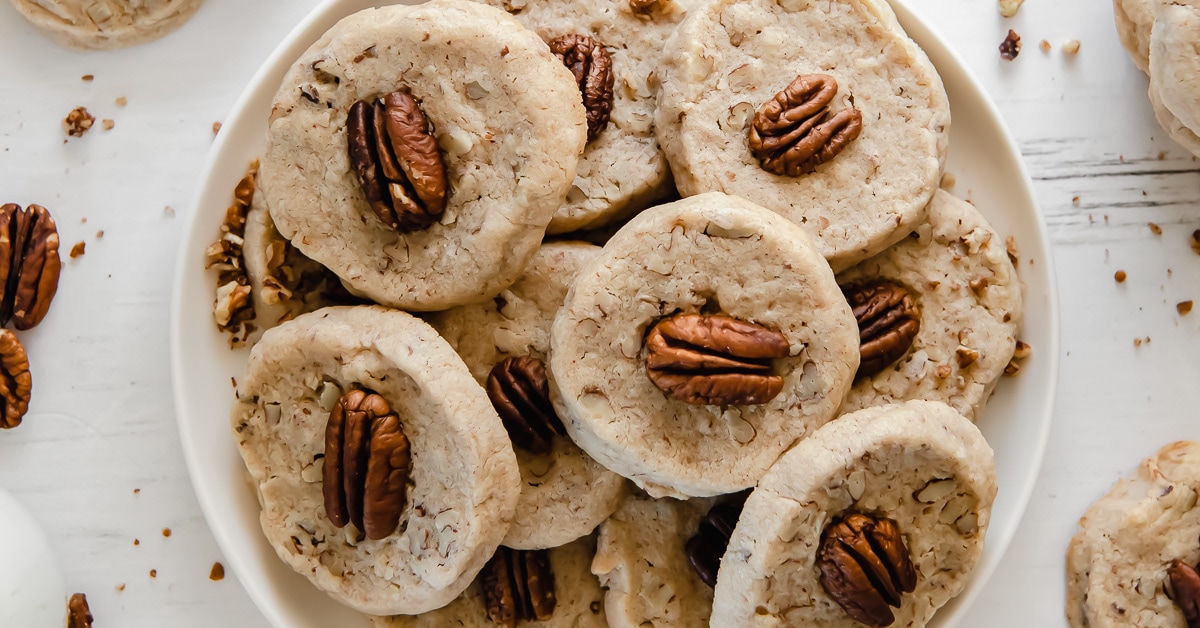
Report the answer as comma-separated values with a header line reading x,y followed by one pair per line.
x,y
920,465
508,124
462,484
564,493
106,24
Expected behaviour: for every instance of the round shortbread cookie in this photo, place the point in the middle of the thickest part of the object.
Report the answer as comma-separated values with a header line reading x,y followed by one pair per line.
x,y
509,124
920,464
1135,19
578,598
622,171
564,494
1175,70
106,24
957,269
729,58
1117,562
464,482
707,255
642,565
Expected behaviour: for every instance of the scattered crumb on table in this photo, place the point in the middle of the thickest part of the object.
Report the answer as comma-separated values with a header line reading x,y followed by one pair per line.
x,y
78,122
107,124
1120,276
1155,229
1184,308
217,573
78,249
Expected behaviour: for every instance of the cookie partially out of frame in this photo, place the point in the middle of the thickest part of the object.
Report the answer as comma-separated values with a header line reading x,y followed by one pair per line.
x,y
1175,70
106,24
1135,19
509,126
1118,560
460,491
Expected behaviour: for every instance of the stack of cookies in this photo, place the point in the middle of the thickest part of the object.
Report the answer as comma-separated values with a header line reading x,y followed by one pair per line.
x,y
753,405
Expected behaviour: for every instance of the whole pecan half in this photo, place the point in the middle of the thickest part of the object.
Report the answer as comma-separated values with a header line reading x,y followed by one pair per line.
x,y
518,585
705,549
397,161
715,360
793,132
78,613
865,567
888,323
368,462
520,393
16,384
29,264
1185,590
590,63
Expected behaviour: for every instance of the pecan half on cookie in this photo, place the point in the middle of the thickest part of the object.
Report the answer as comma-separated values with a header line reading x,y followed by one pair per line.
x,y
1185,590
592,68
793,133
518,585
397,161
520,392
888,323
865,567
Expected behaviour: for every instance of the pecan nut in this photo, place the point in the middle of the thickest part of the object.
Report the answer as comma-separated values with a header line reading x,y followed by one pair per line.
x,y
78,613
29,264
233,309
591,65
518,585
888,323
520,392
397,161
793,133
865,567
715,360
368,462
16,384
705,549
1185,590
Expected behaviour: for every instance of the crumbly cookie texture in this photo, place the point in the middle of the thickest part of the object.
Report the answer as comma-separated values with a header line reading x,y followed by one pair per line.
x,y
920,464
958,270
1135,19
622,171
1117,561
464,482
1175,70
106,24
578,598
729,58
508,121
564,494
642,566
706,254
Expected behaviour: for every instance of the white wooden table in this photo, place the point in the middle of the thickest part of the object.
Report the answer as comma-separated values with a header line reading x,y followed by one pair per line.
x,y
101,425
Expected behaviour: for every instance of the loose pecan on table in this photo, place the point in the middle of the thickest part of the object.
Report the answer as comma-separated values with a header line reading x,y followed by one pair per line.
x,y
520,393
367,465
1185,590
518,585
16,384
705,549
78,613
591,65
29,264
888,322
397,161
234,307
865,567
793,133
715,360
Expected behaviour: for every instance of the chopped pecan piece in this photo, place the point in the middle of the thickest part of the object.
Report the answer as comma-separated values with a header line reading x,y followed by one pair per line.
x,y
367,465
1185,590
591,65
29,264
234,307
793,132
397,161
1011,46
865,567
518,585
78,613
888,323
520,393
705,549
16,384
715,360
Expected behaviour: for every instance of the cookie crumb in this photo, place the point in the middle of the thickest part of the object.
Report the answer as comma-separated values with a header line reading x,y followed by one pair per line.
x,y
78,249
121,587
78,122
1184,308
948,180
1070,47
166,532
99,234
1045,46
78,613
1120,276
153,573
1162,155
1137,342
216,127
1011,46
169,211
1155,229
88,78
122,101
217,573
136,491
1075,201
137,542
1196,241
107,124
1009,8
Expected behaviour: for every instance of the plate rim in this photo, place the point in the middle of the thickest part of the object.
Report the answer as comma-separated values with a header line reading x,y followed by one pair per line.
x,y
907,14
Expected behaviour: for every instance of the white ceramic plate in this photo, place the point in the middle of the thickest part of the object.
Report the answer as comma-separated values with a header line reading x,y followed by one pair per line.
x,y
983,157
